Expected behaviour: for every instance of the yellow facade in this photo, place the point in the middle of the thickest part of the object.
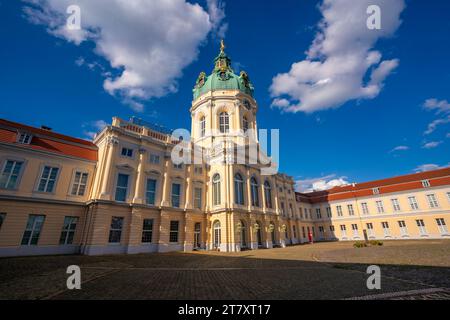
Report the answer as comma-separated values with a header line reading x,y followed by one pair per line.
x,y
136,199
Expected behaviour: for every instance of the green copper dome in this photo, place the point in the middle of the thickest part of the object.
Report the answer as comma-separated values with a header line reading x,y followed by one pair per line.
x,y
222,78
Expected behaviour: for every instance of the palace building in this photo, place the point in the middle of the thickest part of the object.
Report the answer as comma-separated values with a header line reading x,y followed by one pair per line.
x,y
124,193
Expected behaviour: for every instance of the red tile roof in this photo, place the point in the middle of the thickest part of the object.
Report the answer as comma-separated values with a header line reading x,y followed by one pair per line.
x,y
395,184
45,140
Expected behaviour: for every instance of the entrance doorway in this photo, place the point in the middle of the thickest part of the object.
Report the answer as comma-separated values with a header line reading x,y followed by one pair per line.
x,y
243,236
197,235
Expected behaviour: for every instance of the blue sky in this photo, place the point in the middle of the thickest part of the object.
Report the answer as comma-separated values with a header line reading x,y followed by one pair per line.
x,y
49,78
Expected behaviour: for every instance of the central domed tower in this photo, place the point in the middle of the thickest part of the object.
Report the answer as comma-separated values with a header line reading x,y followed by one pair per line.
x,y
223,104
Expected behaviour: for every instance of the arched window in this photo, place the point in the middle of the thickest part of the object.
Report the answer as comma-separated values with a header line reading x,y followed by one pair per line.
x,y
216,189
216,234
245,124
238,189
254,192
268,194
202,126
224,122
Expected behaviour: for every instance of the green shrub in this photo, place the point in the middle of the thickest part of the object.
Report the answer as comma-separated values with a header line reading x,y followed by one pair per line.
x,y
359,244
375,243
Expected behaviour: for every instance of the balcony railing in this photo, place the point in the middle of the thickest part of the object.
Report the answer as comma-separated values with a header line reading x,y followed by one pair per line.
x,y
144,131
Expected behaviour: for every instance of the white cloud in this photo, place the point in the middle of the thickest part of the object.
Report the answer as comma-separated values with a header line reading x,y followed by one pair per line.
x,y
92,128
429,167
216,11
147,43
400,148
441,106
340,58
431,145
436,123
320,184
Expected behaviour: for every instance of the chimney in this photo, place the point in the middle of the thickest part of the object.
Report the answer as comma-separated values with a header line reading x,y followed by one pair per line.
x,y
46,128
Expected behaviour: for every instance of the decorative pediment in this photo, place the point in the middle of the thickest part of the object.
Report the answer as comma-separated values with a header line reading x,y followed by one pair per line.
x,y
153,172
126,167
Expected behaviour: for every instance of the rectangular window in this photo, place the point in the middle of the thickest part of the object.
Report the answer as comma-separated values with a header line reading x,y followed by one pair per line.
x,y
386,230
351,212
365,208
150,193
421,225
343,230
25,138
33,230
126,152
147,230
306,213
329,212
432,201
339,211
79,183
303,232
332,228
403,229
442,226
425,183
2,218
48,179
395,204
115,232
369,229
198,198
122,187
173,237
355,230
10,174
380,207
282,208
198,169
68,230
176,193
413,203
318,213
154,159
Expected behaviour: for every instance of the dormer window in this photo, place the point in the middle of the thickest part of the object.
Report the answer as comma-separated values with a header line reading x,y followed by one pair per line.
x,y
376,190
24,138
426,183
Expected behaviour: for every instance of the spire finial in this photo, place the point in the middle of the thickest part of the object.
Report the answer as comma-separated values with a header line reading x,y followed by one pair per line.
x,y
222,46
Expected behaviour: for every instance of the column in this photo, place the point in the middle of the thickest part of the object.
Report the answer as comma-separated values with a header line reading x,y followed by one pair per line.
x,y
165,202
105,193
189,187
231,179
263,196
249,190
139,190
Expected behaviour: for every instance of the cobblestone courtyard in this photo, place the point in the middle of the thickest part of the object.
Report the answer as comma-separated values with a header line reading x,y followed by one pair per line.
x,y
409,269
